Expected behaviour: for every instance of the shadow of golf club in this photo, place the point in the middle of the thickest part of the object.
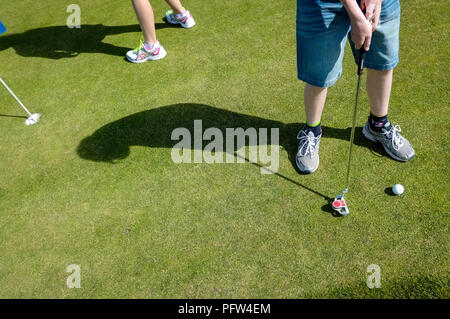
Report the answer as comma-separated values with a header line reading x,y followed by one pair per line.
x,y
286,178
326,208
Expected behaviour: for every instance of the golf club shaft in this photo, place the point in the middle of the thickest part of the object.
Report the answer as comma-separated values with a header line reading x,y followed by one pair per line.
x,y
361,57
12,93
352,135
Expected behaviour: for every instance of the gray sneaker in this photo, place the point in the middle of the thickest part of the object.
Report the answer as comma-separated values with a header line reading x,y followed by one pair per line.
x,y
307,157
394,144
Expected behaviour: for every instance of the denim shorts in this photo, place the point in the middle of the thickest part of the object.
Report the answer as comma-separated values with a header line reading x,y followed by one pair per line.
x,y
322,30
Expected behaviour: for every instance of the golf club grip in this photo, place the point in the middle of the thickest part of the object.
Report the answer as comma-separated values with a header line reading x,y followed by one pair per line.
x,y
361,58
361,55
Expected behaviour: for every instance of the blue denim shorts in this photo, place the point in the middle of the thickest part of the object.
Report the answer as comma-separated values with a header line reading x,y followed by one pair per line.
x,y
322,30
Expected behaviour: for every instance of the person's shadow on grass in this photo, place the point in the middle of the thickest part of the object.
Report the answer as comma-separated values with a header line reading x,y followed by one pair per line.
x,y
59,42
153,128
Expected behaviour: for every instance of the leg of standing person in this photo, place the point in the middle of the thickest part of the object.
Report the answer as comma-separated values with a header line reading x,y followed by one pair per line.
x,y
322,29
380,62
176,6
179,15
144,13
378,87
150,48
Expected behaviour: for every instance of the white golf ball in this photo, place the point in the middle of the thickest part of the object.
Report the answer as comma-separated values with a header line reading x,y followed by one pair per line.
x,y
398,189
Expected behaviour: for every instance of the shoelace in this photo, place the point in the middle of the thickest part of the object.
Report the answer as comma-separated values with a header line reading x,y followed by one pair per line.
x,y
139,51
141,45
308,144
394,135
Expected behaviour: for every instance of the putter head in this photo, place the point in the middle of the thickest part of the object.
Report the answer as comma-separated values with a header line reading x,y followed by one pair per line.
x,y
33,119
339,205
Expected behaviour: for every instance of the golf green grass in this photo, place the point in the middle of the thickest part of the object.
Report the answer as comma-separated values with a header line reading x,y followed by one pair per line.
x,y
93,183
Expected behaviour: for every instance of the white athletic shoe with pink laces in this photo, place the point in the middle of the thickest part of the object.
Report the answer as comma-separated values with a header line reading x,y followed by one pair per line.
x,y
185,20
141,54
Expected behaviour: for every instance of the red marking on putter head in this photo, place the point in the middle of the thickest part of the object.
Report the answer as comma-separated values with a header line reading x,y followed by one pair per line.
x,y
339,203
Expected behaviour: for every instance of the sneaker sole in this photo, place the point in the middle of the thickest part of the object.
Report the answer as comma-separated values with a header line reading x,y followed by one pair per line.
x,y
369,136
162,54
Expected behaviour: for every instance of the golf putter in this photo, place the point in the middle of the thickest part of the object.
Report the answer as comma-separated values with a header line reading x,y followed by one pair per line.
x,y
33,118
339,204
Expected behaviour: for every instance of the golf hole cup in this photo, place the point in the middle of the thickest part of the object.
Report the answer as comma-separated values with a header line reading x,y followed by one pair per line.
x,y
33,119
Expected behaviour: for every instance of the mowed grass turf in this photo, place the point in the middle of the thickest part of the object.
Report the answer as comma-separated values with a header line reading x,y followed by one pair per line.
x,y
93,183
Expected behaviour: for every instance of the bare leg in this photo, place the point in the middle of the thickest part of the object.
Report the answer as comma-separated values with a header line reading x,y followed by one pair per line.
x,y
307,157
314,99
176,6
378,86
144,13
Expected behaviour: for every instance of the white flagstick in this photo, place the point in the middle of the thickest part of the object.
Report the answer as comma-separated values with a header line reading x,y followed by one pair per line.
x,y
33,117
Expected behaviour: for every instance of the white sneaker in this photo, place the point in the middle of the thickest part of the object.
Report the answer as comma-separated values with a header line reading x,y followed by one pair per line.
x,y
186,20
141,55
307,157
393,142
